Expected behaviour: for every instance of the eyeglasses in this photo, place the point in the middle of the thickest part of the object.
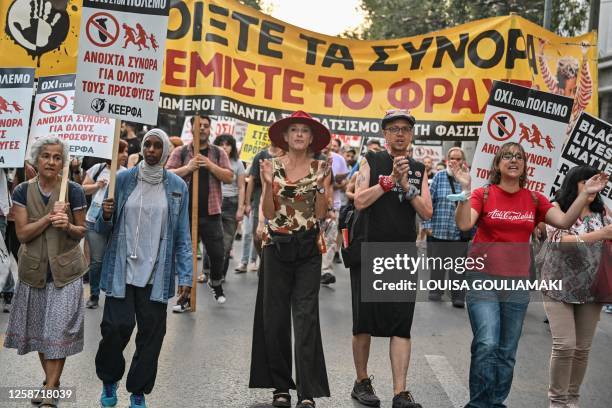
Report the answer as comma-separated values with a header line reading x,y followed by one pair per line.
x,y
510,156
395,130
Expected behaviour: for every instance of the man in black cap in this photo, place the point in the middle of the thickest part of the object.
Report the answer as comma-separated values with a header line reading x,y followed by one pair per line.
x,y
392,188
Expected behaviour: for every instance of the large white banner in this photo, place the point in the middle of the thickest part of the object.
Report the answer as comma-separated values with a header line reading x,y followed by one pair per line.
x,y
537,120
16,87
590,143
87,135
120,59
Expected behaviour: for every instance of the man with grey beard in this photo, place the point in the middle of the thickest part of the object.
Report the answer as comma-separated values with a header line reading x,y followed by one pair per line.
x,y
443,237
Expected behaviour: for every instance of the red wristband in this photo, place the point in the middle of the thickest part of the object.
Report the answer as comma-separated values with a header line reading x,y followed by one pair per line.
x,y
386,182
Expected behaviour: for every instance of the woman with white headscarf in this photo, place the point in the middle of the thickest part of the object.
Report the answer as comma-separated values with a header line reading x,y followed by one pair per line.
x,y
149,223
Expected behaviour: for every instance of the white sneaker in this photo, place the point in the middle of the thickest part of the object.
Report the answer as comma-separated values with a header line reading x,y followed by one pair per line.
x,y
181,307
253,267
217,292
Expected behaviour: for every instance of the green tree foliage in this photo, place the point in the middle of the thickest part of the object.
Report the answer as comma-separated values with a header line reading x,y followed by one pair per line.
x,y
403,18
252,3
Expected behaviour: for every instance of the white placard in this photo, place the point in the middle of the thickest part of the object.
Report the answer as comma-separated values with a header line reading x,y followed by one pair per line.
x,y
537,120
87,135
16,87
120,60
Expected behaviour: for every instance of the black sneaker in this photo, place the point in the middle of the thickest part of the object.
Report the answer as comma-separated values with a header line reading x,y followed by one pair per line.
x,y
434,297
405,400
327,279
217,291
364,393
459,303
337,258
92,303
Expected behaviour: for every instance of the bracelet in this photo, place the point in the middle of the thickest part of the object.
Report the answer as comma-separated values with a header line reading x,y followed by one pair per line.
x,y
386,182
411,193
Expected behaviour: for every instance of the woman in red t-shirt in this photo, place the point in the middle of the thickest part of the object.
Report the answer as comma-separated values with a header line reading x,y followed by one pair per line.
x,y
505,212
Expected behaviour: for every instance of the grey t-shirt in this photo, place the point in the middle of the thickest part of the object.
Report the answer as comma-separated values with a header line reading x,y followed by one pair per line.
x,y
231,190
146,215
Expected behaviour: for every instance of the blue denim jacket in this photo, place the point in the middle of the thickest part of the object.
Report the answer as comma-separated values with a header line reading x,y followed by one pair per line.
x,y
175,255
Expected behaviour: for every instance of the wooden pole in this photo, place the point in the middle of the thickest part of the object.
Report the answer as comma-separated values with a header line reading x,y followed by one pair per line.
x,y
195,184
65,177
113,169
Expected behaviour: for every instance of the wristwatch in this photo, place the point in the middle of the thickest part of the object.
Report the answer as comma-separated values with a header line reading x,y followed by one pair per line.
x,y
321,190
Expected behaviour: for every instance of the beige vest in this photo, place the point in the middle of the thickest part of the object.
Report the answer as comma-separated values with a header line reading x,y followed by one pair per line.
x,y
54,247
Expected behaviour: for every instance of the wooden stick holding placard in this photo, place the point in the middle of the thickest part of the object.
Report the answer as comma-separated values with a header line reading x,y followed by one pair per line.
x,y
64,185
195,185
115,158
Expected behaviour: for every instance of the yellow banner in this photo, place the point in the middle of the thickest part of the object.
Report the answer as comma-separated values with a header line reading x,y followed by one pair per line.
x,y
227,59
255,140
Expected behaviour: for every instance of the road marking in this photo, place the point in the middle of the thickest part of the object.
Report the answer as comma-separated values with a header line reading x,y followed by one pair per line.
x,y
449,380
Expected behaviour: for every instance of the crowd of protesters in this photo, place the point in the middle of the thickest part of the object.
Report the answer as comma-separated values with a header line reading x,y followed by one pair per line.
x,y
292,207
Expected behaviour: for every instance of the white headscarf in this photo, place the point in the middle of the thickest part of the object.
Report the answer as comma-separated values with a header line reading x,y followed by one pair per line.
x,y
154,174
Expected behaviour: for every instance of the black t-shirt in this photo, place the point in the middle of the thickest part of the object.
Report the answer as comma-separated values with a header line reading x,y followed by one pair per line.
x,y
133,145
255,175
203,186
392,218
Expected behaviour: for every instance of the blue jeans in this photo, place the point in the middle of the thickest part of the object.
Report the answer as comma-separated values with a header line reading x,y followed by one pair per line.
x,y
496,318
247,240
9,285
97,245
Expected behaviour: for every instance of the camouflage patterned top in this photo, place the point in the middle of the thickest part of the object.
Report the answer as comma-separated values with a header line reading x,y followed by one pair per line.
x,y
294,201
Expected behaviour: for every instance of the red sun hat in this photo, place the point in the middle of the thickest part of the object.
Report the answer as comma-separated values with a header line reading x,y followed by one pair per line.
x,y
320,134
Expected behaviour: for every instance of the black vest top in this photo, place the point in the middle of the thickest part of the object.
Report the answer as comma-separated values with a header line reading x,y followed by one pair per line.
x,y
392,218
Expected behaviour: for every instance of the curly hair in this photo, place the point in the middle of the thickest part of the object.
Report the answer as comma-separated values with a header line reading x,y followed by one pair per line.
x,y
567,68
228,139
37,148
495,174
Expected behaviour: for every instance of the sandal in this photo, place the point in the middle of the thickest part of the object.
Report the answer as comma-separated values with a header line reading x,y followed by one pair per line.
x,y
37,400
201,278
306,403
281,399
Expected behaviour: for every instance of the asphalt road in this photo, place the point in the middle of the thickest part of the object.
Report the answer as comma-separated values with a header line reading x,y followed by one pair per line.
x,y
206,356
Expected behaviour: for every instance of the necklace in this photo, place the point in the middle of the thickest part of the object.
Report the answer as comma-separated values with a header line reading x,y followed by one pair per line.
x,y
133,255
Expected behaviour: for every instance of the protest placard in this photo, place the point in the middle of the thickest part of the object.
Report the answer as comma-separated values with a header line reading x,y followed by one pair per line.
x,y
536,120
590,143
120,60
87,135
255,140
16,87
419,152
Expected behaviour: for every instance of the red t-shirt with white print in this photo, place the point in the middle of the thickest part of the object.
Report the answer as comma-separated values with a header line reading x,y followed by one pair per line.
x,y
507,218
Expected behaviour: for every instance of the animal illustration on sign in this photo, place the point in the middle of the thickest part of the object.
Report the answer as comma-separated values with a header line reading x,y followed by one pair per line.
x,y
38,26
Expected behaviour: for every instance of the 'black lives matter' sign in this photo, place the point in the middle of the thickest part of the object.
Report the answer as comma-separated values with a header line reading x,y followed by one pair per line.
x,y
590,143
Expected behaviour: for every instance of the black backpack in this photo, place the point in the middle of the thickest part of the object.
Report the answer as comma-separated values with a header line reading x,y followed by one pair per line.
x,y
356,222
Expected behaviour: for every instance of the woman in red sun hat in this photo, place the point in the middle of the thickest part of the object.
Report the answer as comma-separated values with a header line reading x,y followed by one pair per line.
x,y
296,193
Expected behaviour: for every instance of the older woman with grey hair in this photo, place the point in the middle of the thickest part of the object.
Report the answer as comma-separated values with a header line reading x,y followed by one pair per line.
x,y
48,310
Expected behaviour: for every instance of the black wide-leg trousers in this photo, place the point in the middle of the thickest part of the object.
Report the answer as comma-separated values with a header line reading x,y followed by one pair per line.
x,y
118,321
288,289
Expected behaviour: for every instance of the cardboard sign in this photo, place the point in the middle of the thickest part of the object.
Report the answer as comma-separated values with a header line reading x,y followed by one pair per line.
x,y
16,87
120,59
255,140
87,135
590,143
537,120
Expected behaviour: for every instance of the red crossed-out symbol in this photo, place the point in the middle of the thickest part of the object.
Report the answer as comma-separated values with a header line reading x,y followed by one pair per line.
x,y
501,126
102,29
53,103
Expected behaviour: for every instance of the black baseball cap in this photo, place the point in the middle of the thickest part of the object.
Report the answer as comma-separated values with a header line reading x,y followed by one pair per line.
x,y
395,114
